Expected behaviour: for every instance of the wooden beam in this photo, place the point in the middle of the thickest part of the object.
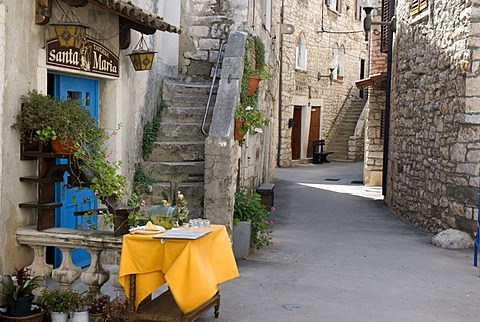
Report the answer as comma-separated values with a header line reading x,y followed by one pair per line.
x,y
76,3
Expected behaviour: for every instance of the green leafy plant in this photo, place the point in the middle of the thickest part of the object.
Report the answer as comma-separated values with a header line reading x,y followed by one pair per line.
x,y
64,300
249,207
19,285
96,304
150,130
44,118
254,65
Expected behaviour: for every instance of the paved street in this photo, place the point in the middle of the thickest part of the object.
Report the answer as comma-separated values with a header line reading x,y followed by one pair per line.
x,y
341,255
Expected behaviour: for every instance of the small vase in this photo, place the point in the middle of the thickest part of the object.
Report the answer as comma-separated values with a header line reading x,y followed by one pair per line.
x,y
82,316
97,317
253,82
59,316
236,135
20,306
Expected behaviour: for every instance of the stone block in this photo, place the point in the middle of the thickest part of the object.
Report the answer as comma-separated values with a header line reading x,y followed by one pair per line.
x,y
453,239
209,44
199,31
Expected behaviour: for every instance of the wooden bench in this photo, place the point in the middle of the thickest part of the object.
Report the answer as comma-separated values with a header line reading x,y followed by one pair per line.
x,y
321,156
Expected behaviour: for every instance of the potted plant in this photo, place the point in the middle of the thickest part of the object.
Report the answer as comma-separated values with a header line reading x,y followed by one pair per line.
x,y
60,302
43,119
96,307
17,291
251,224
248,118
116,310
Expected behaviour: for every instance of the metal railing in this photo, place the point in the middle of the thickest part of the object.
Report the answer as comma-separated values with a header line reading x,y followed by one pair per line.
x,y
215,72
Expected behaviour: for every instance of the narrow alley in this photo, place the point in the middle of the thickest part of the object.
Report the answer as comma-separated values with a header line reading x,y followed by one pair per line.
x,y
340,255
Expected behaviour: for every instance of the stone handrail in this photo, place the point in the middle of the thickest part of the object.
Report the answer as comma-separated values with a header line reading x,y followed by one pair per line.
x,y
67,239
221,150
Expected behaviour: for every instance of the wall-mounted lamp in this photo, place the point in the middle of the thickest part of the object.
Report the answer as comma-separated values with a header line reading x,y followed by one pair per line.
x,y
70,33
287,29
368,6
141,56
320,76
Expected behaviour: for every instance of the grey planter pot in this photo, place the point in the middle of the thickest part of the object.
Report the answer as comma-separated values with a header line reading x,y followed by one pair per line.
x,y
241,239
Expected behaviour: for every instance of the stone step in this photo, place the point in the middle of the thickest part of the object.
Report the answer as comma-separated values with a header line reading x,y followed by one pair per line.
x,y
177,99
178,151
180,132
201,87
176,171
189,114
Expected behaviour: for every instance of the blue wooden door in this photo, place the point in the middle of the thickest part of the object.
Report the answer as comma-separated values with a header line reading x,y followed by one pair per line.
x,y
73,198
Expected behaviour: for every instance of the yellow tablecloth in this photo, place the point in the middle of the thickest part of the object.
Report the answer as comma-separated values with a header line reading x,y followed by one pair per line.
x,y
193,269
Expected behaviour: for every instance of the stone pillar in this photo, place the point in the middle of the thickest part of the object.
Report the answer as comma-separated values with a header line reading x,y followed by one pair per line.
x,y
96,275
373,159
67,273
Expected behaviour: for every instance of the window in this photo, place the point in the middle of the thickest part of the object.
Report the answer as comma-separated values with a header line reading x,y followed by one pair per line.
x,y
301,61
268,14
334,63
334,5
341,63
386,14
418,6
358,10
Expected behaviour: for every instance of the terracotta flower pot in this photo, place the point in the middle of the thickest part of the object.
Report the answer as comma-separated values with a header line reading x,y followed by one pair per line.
x,y
236,135
253,82
63,147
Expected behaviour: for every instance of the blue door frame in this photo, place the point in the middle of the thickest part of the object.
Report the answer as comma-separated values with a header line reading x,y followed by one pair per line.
x,y
75,199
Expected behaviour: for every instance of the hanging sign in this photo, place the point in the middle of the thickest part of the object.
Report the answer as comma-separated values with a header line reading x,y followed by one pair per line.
x,y
91,57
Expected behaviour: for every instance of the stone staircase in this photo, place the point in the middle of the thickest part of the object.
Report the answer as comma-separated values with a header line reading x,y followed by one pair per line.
x,y
178,154
344,130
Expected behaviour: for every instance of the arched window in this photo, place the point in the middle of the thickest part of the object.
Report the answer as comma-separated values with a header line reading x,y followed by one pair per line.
x,y
301,59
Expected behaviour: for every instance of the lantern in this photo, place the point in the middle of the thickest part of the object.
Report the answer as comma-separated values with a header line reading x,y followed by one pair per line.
x,y
141,56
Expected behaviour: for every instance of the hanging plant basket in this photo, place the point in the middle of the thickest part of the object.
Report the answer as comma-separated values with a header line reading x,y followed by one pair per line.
x,y
60,147
253,82
236,134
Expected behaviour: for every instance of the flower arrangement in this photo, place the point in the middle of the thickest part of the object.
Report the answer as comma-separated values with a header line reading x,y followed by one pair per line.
x,y
97,305
247,111
179,203
249,207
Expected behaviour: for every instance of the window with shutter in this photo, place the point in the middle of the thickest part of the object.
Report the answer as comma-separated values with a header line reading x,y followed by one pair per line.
x,y
417,6
358,11
339,6
385,29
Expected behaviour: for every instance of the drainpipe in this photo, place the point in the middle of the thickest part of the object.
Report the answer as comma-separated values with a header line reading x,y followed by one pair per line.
x,y
388,103
280,87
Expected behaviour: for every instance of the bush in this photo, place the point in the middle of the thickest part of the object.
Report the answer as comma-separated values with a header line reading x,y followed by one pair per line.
x,y
249,207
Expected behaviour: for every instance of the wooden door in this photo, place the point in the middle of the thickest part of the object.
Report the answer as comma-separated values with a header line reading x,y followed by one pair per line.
x,y
314,133
296,132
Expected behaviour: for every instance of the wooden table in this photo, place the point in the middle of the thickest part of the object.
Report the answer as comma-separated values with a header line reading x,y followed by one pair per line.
x,y
193,270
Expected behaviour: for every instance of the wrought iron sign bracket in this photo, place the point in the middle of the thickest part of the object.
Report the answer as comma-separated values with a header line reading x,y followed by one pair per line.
x,y
43,10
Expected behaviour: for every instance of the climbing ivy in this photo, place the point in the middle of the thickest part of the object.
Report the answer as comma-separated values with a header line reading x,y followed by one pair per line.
x,y
150,130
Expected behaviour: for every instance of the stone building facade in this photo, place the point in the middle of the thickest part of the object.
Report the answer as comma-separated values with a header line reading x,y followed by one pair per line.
x,y
207,24
125,98
433,166
328,34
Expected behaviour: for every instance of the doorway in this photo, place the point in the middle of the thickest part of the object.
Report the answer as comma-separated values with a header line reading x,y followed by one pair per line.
x,y
361,93
314,133
296,140
74,199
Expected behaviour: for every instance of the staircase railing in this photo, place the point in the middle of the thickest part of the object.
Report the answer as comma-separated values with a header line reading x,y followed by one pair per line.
x,y
212,85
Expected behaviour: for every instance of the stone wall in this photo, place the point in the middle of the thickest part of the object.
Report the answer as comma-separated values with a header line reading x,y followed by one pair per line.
x,y
205,23
373,160
320,26
435,125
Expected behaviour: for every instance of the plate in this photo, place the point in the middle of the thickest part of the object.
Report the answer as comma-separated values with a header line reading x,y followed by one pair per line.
x,y
143,231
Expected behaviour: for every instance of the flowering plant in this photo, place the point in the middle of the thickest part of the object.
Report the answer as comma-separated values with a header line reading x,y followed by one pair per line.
x,y
21,284
253,120
179,203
